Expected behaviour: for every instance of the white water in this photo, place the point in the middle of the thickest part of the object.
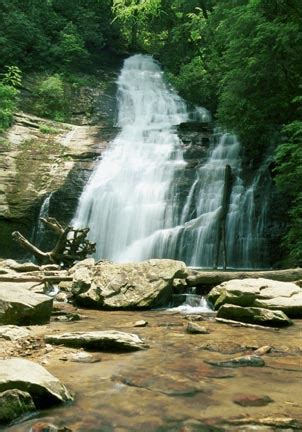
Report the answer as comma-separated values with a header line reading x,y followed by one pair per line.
x,y
44,213
130,202
130,196
193,304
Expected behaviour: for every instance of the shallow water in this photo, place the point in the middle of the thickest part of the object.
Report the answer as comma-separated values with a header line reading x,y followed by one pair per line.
x,y
164,386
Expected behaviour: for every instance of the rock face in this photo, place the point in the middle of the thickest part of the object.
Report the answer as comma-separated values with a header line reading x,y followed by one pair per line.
x,y
35,164
19,306
27,376
263,293
126,286
253,315
99,340
13,404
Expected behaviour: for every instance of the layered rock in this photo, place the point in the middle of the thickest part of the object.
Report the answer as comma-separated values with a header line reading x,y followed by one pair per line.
x,y
254,315
126,286
20,306
42,159
261,293
109,340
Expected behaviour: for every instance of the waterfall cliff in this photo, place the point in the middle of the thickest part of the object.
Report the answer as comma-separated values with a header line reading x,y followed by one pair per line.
x,y
130,203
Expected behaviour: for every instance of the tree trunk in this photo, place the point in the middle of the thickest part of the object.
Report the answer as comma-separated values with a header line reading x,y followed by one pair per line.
x,y
199,277
221,234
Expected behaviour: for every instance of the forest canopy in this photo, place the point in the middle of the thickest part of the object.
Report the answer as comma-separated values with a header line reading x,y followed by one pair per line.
x,y
242,59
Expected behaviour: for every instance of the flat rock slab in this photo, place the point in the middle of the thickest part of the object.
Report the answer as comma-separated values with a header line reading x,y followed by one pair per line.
x,y
19,306
12,333
254,315
99,340
24,375
266,293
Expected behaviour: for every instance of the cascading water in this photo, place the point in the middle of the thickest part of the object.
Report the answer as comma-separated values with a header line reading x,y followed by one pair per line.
x,y
131,194
44,212
130,202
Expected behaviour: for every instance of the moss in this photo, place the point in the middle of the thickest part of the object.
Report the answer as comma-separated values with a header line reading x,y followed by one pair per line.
x,y
47,129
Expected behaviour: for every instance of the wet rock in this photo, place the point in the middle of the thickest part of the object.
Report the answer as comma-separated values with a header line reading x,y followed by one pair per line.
x,y
48,427
223,347
140,323
20,306
244,361
266,293
83,357
171,385
13,404
24,375
254,315
263,350
127,286
193,328
99,340
252,400
12,333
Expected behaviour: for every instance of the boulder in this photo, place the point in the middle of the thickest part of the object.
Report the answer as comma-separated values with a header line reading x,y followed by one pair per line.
x,y
20,306
141,285
99,340
24,375
13,404
193,328
266,293
253,315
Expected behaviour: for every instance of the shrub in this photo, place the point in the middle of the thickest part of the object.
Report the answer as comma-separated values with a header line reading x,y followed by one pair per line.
x,y
51,98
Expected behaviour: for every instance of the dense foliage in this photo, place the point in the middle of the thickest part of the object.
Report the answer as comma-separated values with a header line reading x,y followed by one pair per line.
x,y
242,59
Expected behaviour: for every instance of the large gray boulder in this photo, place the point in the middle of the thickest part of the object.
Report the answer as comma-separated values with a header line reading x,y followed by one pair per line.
x,y
19,306
30,377
254,315
126,286
264,293
109,340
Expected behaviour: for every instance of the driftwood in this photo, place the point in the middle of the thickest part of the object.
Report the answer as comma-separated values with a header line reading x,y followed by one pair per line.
x,y
72,244
203,277
221,234
241,324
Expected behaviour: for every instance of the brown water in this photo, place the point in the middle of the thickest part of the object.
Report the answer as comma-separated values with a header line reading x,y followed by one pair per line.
x,y
170,387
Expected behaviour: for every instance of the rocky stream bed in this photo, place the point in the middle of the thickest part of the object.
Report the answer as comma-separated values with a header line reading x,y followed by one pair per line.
x,y
152,370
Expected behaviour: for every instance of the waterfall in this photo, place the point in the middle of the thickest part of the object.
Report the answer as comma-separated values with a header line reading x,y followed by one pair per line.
x,y
130,203
131,194
44,212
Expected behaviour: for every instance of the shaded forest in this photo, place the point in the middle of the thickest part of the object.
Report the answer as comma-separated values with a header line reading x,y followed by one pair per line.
x,y
241,59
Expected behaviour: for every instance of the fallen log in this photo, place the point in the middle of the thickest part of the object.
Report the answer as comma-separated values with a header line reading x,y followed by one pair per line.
x,y
203,277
